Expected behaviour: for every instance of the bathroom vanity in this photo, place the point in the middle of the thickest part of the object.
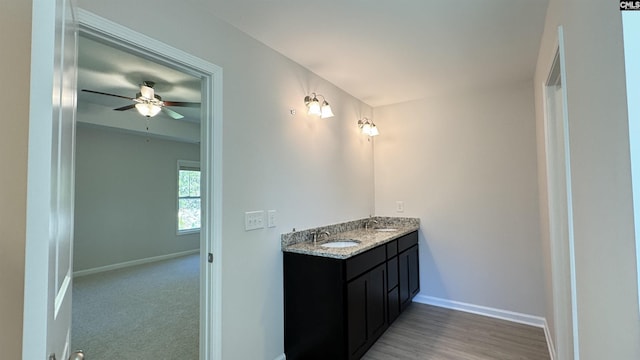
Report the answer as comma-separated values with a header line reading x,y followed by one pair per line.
x,y
338,301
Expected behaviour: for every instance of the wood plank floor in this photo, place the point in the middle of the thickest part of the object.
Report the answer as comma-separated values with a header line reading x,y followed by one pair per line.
x,y
427,332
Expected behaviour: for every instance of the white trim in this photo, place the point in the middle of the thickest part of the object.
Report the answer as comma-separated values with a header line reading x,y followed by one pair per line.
x,y
281,357
512,316
185,164
126,264
567,150
210,159
550,344
36,274
563,271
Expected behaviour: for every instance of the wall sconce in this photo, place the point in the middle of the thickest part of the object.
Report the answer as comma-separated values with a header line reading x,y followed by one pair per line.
x,y
313,104
368,127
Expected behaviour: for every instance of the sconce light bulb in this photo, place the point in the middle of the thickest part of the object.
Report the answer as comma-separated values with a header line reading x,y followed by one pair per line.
x,y
326,110
313,105
373,130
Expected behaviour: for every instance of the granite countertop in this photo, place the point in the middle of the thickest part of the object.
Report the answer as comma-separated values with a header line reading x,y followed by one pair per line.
x,y
300,242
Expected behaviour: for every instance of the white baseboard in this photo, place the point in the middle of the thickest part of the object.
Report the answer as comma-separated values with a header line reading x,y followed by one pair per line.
x,y
526,319
281,357
132,263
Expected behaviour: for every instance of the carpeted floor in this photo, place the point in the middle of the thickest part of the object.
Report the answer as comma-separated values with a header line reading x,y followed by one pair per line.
x,y
149,311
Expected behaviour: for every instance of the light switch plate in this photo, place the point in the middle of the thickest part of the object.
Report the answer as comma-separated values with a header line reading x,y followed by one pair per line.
x,y
253,220
399,206
271,218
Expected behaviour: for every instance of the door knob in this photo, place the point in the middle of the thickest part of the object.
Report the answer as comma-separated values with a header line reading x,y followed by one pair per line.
x,y
77,355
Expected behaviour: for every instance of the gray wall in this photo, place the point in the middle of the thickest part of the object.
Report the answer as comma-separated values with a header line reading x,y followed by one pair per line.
x,y
605,266
465,163
312,171
126,190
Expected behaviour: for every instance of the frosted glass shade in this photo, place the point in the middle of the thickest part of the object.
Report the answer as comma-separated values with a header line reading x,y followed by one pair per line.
x,y
326,111
148,109
314,107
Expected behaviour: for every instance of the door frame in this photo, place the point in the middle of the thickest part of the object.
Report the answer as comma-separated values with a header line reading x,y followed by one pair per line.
x,y
562,248
37,251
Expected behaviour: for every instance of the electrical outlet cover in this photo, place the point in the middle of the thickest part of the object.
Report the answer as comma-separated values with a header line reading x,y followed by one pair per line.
x,y
271,218
253,220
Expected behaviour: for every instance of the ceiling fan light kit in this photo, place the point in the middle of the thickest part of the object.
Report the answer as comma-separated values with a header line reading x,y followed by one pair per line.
x,y
148,109
148,103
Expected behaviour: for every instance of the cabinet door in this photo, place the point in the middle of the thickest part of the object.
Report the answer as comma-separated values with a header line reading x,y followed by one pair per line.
x,y
357,314
393,302
376,302
409,277
414,272
367,310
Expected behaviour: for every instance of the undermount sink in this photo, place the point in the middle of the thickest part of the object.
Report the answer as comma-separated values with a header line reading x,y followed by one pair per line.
x,y
386,229
341,243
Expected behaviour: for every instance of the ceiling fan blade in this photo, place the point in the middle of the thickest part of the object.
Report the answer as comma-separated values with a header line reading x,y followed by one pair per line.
x,y
125,107
104,93
181,103
172,113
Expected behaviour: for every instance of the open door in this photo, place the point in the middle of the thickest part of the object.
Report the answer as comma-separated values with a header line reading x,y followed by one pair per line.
x,y
50,188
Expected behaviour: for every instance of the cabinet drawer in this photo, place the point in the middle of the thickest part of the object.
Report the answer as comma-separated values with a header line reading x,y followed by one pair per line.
x,y
407,241
392,249
365,261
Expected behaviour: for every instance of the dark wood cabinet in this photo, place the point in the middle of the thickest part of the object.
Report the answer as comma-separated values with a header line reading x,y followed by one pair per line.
x,y
337,308
366,311
408,269
409,282
393,295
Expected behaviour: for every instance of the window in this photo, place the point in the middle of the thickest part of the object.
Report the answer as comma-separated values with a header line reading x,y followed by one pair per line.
x,y
188,197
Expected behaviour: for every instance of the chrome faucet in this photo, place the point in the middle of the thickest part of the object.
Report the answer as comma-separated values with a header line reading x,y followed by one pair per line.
x,y
317,234
366,223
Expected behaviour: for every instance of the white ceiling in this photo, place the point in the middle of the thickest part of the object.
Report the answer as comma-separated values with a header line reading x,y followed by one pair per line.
x,y
385,52
381,52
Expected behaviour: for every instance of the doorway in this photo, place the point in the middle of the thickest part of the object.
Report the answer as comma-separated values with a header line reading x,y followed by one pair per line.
x,y
137,217
210,136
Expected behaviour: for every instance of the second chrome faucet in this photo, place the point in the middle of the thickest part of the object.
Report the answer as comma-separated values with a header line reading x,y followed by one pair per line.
x,y
369,221
317,234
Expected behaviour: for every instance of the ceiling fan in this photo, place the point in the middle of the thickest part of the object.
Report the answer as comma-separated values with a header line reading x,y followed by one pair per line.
x,y
148,103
